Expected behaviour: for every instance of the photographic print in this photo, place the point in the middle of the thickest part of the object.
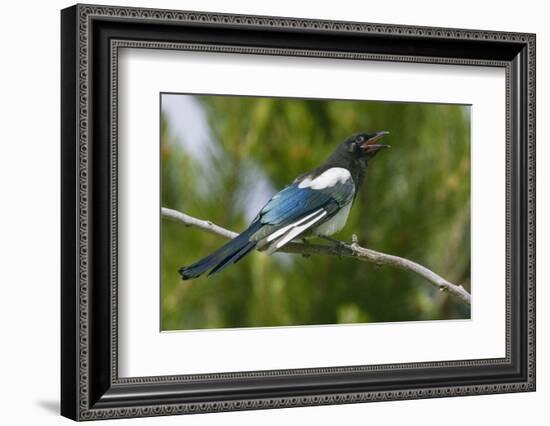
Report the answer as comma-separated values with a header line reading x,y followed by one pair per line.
x,y
345,209
251,187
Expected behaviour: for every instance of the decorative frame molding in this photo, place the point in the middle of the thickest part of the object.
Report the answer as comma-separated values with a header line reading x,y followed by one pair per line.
x,y
91,37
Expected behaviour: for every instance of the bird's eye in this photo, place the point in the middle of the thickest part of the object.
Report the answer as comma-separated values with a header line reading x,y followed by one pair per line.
x,y
360,139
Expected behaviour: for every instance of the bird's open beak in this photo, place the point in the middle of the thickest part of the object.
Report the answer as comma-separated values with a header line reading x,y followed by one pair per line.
x,y
370,144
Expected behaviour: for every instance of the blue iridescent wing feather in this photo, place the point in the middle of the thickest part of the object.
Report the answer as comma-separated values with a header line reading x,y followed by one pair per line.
x,y
294,202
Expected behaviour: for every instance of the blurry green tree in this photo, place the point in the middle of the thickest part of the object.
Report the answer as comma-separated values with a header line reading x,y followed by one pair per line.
x,y
415,203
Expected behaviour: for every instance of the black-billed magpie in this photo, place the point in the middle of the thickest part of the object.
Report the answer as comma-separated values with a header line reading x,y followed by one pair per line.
x,y
317,203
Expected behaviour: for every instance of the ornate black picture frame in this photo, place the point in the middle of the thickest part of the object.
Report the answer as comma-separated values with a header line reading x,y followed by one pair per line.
x,y
91,36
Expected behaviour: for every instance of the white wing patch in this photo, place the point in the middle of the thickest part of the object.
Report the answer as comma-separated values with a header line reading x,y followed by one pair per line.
x,y
289,232
326,179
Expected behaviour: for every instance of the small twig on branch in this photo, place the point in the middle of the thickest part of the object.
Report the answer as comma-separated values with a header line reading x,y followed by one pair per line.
x,y
342,249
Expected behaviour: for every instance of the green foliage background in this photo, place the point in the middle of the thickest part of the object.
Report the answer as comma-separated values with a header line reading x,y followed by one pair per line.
x,y
415,203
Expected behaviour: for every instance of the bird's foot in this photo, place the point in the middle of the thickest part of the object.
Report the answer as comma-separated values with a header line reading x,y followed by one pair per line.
x,y
332,240
305,242
339,245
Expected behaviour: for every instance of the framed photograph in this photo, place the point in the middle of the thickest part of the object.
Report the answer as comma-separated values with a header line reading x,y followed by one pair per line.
x,y
263,212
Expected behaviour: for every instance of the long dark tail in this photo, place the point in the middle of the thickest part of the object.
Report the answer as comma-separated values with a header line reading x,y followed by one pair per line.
x,y
226,255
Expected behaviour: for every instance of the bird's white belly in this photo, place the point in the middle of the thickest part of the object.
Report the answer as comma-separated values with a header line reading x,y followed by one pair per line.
x,y
335,223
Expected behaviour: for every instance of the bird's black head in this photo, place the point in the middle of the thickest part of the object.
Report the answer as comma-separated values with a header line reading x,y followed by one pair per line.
x,y
363,146
355,152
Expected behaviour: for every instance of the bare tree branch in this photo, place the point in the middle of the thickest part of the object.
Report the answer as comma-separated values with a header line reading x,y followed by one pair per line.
x,y
340,249
197,223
